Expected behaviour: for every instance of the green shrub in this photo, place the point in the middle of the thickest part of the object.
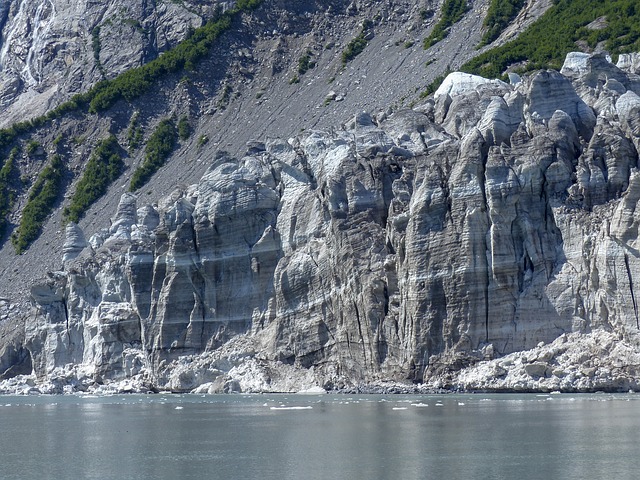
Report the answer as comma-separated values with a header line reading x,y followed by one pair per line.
x,y
203,140
499,16
7,136
104,166
426,14
6,192
159,147
97,47
247,5
134,132
95,43
452,12
32,147
134,23
305,63
40,203
356,46
184,128
225,97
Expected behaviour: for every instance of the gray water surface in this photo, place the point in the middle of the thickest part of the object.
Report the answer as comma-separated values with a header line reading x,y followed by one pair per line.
x,y
320,437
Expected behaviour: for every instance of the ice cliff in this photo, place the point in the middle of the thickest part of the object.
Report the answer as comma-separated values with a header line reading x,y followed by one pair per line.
x,y
424,246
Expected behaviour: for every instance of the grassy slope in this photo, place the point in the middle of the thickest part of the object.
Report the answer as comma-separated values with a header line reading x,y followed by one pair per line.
x,y
499,16
40,202
452,12
546,43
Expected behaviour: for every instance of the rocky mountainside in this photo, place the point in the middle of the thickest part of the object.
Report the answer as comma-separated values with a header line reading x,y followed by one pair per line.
x,y
53,49
483,239
243,90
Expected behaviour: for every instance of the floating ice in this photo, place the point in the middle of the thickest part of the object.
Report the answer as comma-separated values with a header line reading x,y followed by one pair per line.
x,y
313,391
292,408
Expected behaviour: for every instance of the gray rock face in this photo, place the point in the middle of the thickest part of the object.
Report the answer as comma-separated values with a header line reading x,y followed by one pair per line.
x,y
395,248
52,49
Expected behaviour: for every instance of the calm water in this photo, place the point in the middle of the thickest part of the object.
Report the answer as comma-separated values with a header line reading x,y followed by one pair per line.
x,y
321,437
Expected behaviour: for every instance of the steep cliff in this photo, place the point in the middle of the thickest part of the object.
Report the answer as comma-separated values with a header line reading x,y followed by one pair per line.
x,y
493,220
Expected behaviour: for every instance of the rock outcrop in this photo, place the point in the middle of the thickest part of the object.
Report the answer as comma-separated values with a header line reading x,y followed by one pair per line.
x,y
52,49
405,247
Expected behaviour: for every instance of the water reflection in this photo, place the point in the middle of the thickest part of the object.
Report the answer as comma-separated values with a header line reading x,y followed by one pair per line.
x,y
373,437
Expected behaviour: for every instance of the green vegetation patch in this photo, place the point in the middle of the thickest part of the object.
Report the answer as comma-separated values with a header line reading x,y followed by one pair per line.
x,y
159,147
225,97
6,193
356,46
247,5
547,41
103,168
32,147
305,63
134,132
184,128
452,12
97,47
40,202
499,16
202,141
58,141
